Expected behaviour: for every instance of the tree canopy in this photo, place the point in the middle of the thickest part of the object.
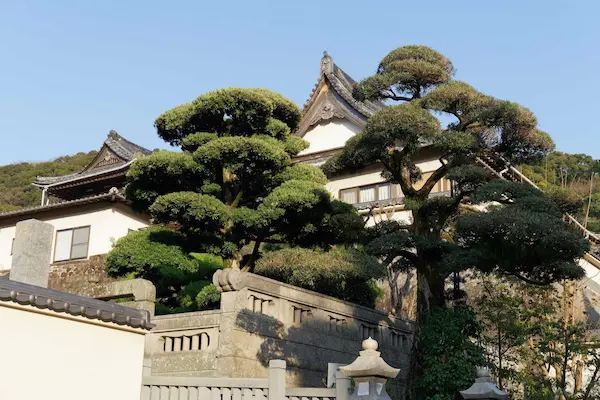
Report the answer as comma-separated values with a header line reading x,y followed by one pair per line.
x,y
233,188
442,239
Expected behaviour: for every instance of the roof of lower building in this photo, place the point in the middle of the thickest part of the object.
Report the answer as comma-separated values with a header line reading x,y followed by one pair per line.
x,y
60,302
332,98
112,195
116,153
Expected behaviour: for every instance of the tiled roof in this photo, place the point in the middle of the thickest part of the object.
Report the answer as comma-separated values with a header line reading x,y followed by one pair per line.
x,y
112,195
343,85
60,302
117,144
332,97
50,180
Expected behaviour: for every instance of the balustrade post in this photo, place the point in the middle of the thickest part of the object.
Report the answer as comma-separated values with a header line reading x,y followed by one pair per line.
x,y
342,386
277,379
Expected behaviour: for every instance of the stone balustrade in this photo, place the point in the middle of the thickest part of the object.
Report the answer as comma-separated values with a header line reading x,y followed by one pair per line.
x,y
261,319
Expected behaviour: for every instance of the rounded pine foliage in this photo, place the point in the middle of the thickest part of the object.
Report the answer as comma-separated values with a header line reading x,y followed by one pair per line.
x,y
231,111
234,187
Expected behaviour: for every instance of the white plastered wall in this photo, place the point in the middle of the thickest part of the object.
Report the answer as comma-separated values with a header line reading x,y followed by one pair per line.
x,y
330,134
107,221
333,134
51,357
368,178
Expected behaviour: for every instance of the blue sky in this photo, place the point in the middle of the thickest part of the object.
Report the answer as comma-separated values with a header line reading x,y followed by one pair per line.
x,y
72,70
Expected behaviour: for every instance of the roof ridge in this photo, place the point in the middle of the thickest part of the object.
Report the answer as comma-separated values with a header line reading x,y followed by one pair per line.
x,y
342,85
114,137
111,194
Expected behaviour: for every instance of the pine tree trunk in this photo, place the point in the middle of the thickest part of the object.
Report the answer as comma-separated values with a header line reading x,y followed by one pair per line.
x,y
430,294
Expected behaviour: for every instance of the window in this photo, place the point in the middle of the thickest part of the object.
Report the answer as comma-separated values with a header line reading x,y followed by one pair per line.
x,y
12,246
72,244
366,194
384,192
349,196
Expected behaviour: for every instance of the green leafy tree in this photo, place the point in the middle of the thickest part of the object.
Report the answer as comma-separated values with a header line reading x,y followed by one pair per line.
x,y
234,185
421,79
230,193
450,353
510,312
536,339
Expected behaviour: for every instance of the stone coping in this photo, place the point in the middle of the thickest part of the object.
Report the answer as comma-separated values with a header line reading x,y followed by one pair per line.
x,y
60,302
227,280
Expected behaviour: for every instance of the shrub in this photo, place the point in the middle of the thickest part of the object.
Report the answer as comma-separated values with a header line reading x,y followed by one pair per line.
x,y
346,274
159,255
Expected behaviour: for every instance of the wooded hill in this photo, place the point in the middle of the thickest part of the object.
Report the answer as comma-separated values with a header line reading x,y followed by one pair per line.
x,y
16,190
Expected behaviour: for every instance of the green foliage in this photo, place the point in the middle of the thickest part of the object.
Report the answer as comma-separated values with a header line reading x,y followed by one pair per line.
x,y
162,256
530,331
208,297
568,179
160,173
234,184
525,237
233,111
302,172
16,190
450,356
343,273
232,189
405,72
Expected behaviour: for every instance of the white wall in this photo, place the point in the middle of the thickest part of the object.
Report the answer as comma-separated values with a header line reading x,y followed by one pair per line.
x,y
106,221
403,216
368,178
51,357
330,134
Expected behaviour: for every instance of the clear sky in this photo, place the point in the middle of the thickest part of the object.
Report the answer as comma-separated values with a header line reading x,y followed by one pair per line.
x,y
72,70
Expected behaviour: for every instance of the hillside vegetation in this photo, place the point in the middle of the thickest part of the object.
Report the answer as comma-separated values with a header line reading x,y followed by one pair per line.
x,y
571,177
16,190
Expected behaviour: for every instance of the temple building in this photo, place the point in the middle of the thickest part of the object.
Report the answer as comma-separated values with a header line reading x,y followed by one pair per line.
x,y
87,209
105,171
330,117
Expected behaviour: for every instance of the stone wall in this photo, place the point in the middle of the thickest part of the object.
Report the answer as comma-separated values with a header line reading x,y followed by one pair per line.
x,y
80,277
261,319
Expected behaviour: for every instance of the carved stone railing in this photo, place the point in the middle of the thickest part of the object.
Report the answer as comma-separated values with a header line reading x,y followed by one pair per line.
x,y
262,319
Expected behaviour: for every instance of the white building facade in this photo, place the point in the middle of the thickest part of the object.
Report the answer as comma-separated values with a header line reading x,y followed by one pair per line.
x,y
330,117
87,209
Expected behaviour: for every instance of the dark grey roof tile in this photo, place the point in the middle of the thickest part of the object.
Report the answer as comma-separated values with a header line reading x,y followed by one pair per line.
x,y
43,298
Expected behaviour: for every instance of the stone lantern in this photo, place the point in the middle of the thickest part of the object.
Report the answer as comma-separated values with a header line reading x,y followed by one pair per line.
x,y
483,388
370,372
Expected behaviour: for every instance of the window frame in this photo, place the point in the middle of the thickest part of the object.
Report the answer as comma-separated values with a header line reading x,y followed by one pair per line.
x,y
87,248
376,186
